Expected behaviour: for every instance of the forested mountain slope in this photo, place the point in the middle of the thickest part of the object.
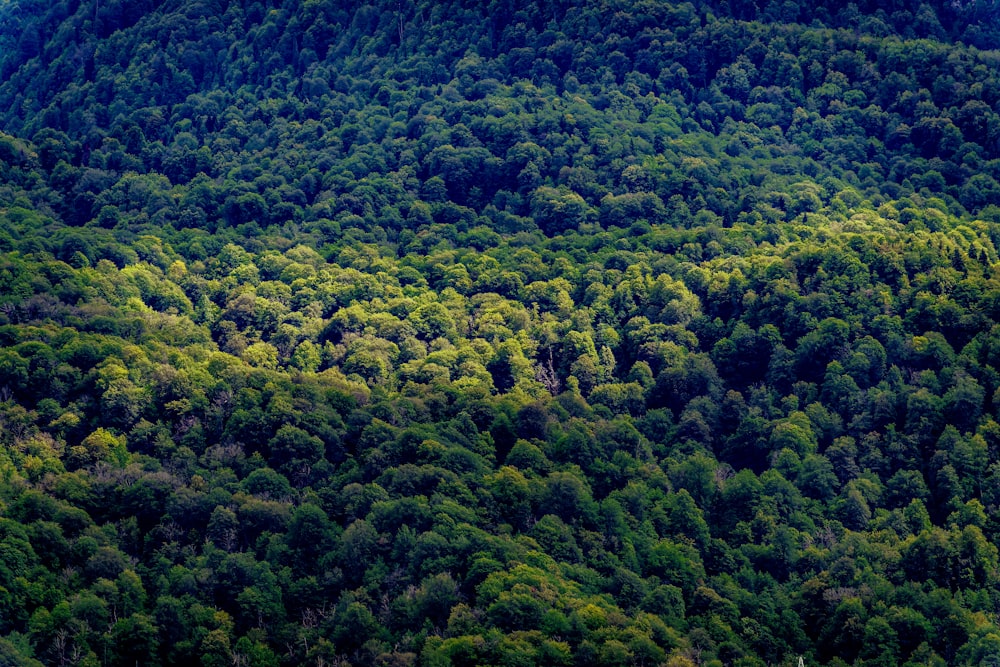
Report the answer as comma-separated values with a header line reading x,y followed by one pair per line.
x,y
511,333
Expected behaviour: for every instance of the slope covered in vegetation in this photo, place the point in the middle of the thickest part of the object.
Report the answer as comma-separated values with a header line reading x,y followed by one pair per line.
x,y
605,333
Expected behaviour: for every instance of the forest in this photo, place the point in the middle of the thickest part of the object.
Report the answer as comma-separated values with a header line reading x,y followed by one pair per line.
x,y
508,333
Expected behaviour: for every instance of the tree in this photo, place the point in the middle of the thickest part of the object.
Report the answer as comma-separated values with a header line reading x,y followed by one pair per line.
x,y
558,210
432,321
310,536
294,451
135,639
512,494
568,497
101,445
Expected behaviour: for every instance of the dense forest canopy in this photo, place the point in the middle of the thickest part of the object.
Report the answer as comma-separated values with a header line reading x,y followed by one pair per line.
x,y
508,333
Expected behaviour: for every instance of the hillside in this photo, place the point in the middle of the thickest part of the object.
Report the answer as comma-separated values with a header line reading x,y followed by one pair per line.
x,y
509,333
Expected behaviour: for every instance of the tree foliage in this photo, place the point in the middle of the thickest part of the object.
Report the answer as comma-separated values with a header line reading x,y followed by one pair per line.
x,y
495,334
